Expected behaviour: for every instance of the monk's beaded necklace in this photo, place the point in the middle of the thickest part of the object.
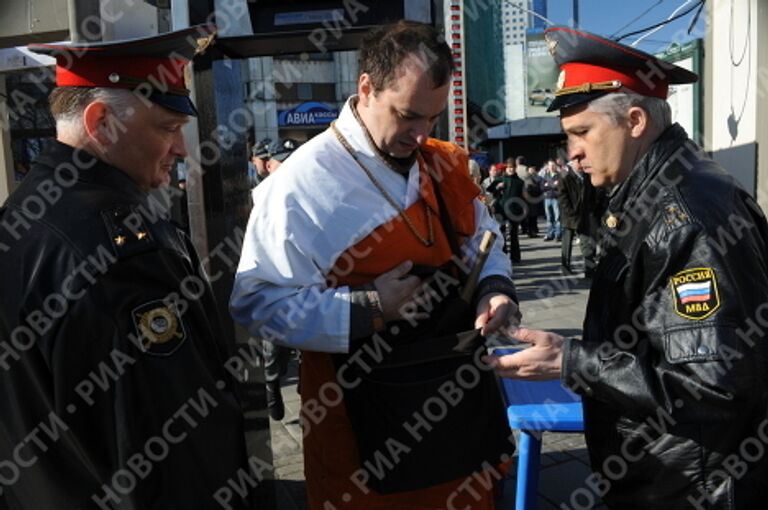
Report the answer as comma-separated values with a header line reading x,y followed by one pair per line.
x,y
429,241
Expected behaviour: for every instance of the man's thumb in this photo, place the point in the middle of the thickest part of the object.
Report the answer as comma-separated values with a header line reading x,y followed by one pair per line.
x,y
401,270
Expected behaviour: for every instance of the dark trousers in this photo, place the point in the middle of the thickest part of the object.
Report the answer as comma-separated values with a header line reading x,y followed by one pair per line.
x,y
589,251
587,245
566,248
276,359
531,225
511,239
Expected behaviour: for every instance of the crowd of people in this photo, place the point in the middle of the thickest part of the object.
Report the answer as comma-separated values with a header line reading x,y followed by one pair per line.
x,y
518,194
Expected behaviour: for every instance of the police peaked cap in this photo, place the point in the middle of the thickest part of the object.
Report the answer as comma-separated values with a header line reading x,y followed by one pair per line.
x,y
281,149
153,66
592,66
261,149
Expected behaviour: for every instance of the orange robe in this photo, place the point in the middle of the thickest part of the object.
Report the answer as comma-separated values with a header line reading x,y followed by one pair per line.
x,y
330,449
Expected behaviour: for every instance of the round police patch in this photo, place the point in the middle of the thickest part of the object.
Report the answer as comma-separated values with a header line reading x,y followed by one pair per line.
x,y
695,293
159,327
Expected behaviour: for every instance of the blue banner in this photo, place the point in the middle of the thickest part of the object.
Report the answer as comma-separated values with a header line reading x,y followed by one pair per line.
x,y
311,113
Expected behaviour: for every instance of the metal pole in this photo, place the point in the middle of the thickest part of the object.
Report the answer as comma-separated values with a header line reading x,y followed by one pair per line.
x,y
575,13
84,21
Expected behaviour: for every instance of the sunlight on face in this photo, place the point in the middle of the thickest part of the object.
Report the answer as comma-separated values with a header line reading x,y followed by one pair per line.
x,y
598,144
149,144
401,117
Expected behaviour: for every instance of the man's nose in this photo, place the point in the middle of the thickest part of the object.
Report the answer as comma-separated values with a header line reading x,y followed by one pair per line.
x,y
575,151
421,131
179,147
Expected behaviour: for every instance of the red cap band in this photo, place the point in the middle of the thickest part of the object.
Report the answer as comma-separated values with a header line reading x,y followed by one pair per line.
x,y
577,73
121,72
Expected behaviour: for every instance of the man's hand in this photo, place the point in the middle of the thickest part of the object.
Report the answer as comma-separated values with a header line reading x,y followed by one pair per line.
x,y
396,288
542,360
494,311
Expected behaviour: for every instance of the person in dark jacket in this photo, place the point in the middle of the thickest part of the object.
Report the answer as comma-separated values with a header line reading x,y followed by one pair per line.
x,y
532,193
673,364
113,383
257,166
509,206
570,194
581,207
276,357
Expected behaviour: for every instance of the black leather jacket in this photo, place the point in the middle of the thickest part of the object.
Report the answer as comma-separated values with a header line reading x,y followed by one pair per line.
x,y
112,385
673,364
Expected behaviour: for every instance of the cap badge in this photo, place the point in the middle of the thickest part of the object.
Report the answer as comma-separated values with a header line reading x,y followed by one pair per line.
x,y
561,79
113,77
551,44
203,42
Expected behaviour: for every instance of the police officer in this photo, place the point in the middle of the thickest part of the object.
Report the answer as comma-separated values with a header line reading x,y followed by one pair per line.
x,y
672,366
276,357
279,151
112,357
257,166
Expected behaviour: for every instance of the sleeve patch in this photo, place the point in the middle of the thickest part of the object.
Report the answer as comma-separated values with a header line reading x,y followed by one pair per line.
x,y
159,327
695,293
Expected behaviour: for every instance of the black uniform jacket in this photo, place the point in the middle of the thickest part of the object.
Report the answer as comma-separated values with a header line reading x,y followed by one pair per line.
x,y
571,196
112,380
509,202
672,367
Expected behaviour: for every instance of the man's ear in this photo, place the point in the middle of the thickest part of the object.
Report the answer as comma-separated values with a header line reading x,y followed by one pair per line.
x,y
96,120
364,88
639,123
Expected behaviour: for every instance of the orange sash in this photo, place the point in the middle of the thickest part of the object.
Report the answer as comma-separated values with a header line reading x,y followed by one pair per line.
x,y
330,450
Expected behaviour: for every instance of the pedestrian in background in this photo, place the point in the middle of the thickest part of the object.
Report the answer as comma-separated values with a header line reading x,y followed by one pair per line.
x,y
257,165
533,196
510,207
495,189
474,172
593,204
276,356
571,201
550,183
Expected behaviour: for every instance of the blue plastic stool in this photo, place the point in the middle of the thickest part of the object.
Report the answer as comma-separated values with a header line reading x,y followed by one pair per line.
x,y
534,407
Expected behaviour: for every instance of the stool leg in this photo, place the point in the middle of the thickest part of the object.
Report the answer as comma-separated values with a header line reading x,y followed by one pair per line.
x,y
529,451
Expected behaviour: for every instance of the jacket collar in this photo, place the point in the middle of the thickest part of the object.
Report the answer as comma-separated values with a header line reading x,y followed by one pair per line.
x,y
631,202
78,164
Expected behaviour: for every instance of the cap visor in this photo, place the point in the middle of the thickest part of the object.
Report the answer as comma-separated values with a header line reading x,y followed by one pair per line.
x,y
176,103
282,157
569,100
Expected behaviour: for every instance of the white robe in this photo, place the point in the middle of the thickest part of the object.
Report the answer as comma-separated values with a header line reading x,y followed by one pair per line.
x,y
304,216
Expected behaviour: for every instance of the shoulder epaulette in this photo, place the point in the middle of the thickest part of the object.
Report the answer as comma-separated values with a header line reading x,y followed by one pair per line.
x,y
674,212
128,231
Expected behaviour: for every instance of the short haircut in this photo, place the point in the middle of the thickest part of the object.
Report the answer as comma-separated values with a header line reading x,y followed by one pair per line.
x,y
617,104
68,103
384,49
474,168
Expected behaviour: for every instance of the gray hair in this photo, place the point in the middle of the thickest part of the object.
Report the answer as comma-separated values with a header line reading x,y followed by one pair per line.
x,y
474,168
616,105
68,104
